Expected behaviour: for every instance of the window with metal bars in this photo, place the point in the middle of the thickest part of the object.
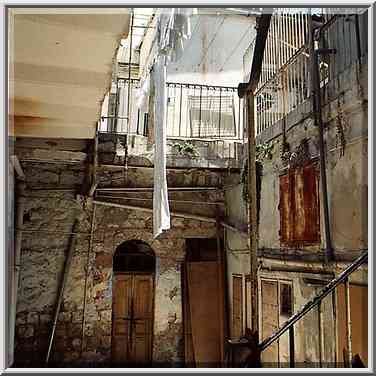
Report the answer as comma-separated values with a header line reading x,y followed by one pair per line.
x,y
211,116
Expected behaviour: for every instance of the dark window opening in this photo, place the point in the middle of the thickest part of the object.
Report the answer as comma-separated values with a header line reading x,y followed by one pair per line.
x,y
134,255
201,249
285,299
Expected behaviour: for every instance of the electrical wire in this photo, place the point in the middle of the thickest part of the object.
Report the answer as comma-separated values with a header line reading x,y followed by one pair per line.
x,y
212,40
236,47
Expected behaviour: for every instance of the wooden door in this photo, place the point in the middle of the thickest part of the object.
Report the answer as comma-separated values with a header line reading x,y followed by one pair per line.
x,y
237,306
132,321
359,322
269,321
204,306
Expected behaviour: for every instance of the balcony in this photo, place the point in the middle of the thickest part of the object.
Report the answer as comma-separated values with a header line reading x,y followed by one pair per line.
x,y
284,86
204,126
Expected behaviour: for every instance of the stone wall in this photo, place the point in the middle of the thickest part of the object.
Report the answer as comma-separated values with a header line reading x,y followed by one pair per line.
x,y
83,332
346,144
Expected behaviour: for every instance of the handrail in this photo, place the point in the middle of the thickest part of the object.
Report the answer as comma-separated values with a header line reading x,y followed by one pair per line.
x,y
315,301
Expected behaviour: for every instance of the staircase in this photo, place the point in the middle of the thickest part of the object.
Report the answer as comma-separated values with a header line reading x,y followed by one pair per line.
x,y
331,287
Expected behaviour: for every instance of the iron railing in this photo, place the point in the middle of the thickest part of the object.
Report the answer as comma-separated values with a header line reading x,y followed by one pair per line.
x,y
330,288
285,76
203,112
124,117
193,111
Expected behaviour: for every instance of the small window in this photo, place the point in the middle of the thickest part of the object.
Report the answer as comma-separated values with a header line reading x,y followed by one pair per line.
x,y
285,299
212,116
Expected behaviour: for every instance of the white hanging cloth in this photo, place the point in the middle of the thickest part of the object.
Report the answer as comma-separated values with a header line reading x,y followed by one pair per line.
x,y
142,95
174,30
172,27
161,211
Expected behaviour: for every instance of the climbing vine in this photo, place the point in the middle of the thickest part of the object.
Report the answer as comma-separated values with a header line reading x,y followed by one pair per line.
x,y
244,182
186,149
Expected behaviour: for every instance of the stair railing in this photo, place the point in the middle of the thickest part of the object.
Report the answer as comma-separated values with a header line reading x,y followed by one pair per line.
x,y
316,301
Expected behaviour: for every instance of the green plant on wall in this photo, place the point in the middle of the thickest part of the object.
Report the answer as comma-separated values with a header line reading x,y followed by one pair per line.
x,y
186,149
264,151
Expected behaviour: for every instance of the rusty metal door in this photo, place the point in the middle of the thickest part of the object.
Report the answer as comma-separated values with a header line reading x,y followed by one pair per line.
x,y
132,318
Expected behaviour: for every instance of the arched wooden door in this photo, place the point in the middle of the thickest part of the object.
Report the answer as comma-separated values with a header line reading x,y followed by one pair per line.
x,y
132,305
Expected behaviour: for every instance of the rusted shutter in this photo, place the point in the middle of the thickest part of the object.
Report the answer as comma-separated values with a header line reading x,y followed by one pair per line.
x,y
299,206
286,212
311,205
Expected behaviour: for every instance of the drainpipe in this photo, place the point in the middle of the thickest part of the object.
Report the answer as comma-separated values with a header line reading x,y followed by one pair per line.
x,y
94,182
20,192
316,97
62,286
246,91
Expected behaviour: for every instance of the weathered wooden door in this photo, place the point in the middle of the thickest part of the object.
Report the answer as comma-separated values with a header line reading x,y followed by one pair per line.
x,y
237,306
132,321
269,321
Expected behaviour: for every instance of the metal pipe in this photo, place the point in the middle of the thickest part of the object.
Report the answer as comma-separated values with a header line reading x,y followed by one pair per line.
x,y
295,269
61,288
150,189
20,189
17,166
252,208
86,278
348,322
358,44
329,254
170,200
57,232
220,289
247,90
321,334
213,87
292,347
235,229
315,301
95,166
334,312
149,210
129,75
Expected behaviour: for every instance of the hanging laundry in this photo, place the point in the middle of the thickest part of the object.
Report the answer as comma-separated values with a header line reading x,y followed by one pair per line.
x,y
173,26
142,95
161,211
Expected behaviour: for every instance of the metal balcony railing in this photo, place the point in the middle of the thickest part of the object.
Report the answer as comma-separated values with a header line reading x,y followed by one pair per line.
x,y
285,76
123,115
193,111
203,112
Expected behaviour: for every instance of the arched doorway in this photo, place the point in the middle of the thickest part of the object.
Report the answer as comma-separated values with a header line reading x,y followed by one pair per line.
x,y
132,303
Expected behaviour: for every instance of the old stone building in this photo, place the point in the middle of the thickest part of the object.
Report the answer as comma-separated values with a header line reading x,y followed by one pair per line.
x,y
157,217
